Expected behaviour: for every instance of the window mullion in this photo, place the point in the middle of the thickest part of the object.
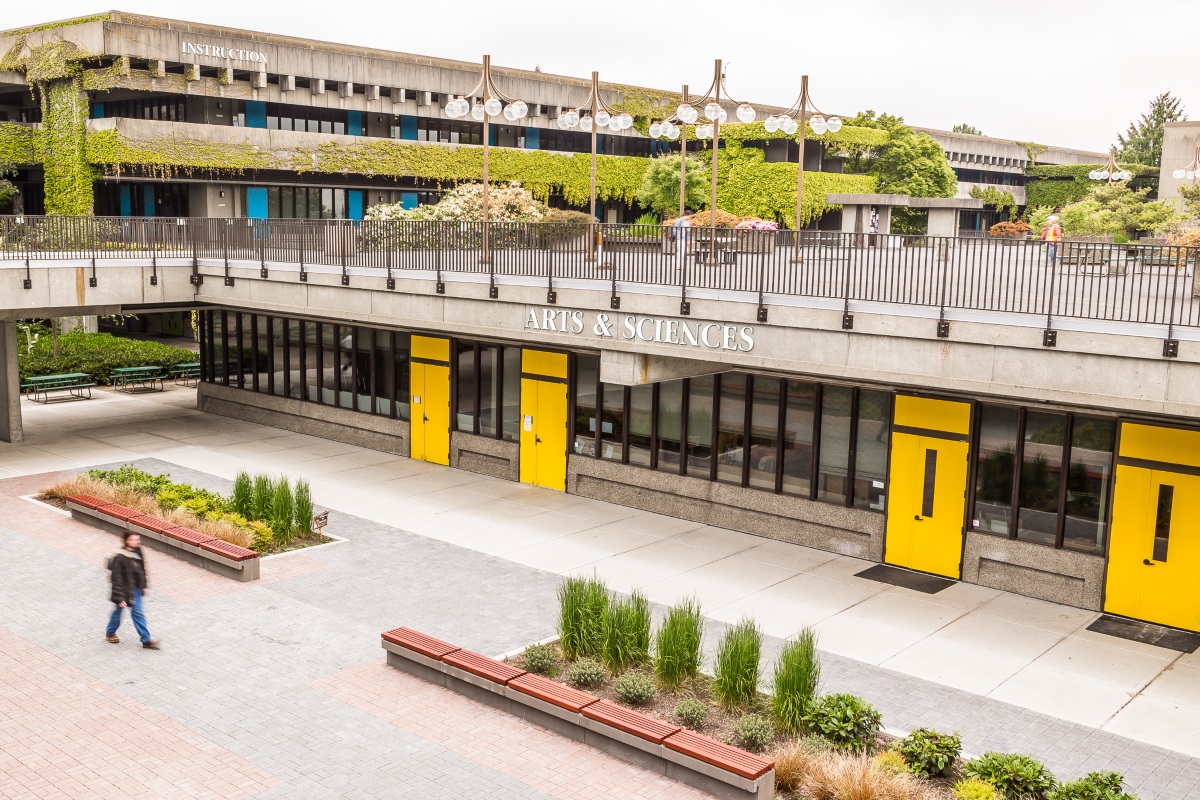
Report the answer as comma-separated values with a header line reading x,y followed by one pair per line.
x,y
1060,526
851,456
818,411
1018,466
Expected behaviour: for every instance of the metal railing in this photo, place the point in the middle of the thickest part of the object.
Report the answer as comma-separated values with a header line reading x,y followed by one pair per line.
x,y
1081,279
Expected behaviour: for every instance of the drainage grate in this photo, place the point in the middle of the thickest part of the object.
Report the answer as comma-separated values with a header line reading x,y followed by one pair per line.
x,y
1144,632
917,581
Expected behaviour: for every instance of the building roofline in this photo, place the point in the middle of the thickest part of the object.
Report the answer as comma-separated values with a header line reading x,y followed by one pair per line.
x,y
998,140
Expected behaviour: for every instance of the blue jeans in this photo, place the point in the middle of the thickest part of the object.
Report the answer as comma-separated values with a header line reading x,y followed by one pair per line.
x,y
1051,252
135,611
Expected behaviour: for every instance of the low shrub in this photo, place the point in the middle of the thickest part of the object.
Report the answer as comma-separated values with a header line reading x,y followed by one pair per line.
x,y
890,761
131,477
930,753
262,537
541,658
1015,776
585,673
752,732
96,354
692,712
722,219
635,688
1094,786
582,603
243,494
846,721
974,789
797,674
795,759
735,678
677,644
626,632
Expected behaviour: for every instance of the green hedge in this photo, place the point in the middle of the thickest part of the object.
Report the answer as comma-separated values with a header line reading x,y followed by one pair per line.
x,y
1056,185
96,354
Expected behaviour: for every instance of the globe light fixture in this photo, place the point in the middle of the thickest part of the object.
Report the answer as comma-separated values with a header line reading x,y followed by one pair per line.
x,y
818,125
510,114
614,124
834,124
712,110
602,118
492,106
521,109
745,113
687,113
771,124
585,124
789,126
1113,172
477,112
626,120
656,130
673,133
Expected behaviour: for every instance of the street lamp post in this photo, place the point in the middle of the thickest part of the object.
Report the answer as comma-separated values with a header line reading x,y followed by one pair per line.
x,y
494,102
1189,172
1110,172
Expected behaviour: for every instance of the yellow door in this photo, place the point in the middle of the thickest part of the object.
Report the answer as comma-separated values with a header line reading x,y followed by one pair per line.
x,y
1154,554
430,409
544,419
928,485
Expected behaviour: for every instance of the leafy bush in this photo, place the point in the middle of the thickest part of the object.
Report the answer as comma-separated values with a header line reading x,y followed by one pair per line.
x,y
722,219
691,712
1015,776
795,760
283,512
304,508
263,537
131,477
263,497
1094,786
96,354
890,761
848,722
635,688
626,632
242,499
582,605
677,645
974,789
561,225
797,674
930,753
1009,230
541,658
737,668
753,733
585,673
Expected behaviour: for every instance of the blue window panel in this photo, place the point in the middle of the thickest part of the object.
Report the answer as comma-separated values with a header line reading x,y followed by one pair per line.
x,y
148,199
256,202
354,125
256,114
126,201
356,204
533,138
492,135
408,199
408,128
97,110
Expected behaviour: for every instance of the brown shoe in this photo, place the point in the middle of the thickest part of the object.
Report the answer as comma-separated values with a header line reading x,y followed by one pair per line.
x,y
151,645
114,639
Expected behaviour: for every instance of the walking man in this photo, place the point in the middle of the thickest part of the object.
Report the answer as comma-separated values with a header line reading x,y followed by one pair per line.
x,y
128,571
1052,234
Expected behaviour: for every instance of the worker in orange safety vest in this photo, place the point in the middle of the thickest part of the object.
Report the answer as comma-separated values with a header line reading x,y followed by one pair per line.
x,y
1052,234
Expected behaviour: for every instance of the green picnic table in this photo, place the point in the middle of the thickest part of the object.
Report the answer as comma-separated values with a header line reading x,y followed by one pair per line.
x,y
186,372
138,379
74,383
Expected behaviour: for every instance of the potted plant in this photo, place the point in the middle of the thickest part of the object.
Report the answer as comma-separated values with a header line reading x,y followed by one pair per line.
x,y
756,235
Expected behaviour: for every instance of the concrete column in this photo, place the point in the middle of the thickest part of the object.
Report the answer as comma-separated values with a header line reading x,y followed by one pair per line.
x,y
10,384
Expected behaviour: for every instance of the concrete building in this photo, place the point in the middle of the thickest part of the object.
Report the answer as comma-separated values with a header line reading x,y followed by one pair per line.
x,y
1181,145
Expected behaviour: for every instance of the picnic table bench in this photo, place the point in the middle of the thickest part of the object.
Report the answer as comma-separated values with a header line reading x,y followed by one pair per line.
x,y
185,372
135,379
74,383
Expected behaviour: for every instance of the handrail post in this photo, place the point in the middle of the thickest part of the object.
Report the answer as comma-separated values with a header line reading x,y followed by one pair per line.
x,y
1171,345
681,258
943,324
264,231
614,302
387,228
551,295
493,290
847,317
1049,335
303,237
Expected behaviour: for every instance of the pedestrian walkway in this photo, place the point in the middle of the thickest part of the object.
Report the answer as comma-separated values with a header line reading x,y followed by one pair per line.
x,y
1009,672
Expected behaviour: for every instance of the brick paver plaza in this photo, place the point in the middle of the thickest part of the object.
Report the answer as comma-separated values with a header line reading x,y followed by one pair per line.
x,y
278,688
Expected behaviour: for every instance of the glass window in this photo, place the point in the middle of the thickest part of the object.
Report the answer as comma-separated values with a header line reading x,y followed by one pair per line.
x,y
266,355
731,427
1041,473
700,425
871,448
670,420
641,413
295,357
326,203
314,204
287,208
612,423
995,465
832,482
511,422
587,369
489,389
312,361
764,433
799,419
1088,481
402,373
381,373
343,365
363,338
273,195
465,364
339,204
220,347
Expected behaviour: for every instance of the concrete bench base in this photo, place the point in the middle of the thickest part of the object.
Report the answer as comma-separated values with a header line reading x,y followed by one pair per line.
x,y
247,570
614,742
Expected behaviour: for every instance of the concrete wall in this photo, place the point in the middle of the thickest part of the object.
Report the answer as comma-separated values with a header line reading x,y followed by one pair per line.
x,y
485,455
10,384
1034,570
1180,140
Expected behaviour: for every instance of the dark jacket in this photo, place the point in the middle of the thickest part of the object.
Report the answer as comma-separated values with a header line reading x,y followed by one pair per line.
x,y
128,570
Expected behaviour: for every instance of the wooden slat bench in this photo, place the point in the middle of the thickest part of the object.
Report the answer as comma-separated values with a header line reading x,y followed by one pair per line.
x,y
553,693
486,673
718,754
415,640
624,719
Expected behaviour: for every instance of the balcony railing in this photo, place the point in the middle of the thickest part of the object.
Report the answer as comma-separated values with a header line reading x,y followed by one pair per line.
x,y
1153,284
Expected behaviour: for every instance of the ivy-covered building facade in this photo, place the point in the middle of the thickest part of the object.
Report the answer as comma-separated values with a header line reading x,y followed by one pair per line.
x,y
124,115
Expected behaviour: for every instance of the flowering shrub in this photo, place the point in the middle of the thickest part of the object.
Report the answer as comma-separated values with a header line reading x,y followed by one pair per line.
x,y
722,219
464,203
756,224
1009,230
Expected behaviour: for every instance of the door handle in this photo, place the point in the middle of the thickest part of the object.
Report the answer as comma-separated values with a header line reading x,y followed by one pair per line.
x,y
919,518
537,440
424,418
1147,562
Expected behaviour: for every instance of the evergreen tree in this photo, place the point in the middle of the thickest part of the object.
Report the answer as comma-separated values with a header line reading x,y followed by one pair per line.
x,y
1143,140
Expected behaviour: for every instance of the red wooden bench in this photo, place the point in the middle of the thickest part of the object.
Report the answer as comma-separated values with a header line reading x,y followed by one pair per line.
x,y
87,500
721,755
118,511
553,693
630,721
483,666
222,548
419,642
185,535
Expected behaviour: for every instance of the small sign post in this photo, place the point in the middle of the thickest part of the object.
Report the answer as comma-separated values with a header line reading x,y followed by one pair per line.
x,y
320,521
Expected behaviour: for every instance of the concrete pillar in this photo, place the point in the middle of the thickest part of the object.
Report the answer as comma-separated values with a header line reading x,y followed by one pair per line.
x,y
10,384
943,222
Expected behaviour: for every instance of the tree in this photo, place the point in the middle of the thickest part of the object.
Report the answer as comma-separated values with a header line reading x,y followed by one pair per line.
x,y
1111,208
1142,142
964,127
1191,199
660,185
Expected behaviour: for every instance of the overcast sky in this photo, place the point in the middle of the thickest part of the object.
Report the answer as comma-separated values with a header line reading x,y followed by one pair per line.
x,y
1070,73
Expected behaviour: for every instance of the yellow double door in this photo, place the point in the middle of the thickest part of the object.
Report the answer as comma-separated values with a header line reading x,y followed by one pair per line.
x,y
429,412
928,485
1154,552
544,419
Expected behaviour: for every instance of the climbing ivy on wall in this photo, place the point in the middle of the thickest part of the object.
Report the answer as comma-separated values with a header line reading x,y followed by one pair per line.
x,y
1061,184
848,135
18,144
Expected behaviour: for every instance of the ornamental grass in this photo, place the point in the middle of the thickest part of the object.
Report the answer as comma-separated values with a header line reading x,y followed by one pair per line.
x,y
737,667
626,632
797,676
677,644
583,605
